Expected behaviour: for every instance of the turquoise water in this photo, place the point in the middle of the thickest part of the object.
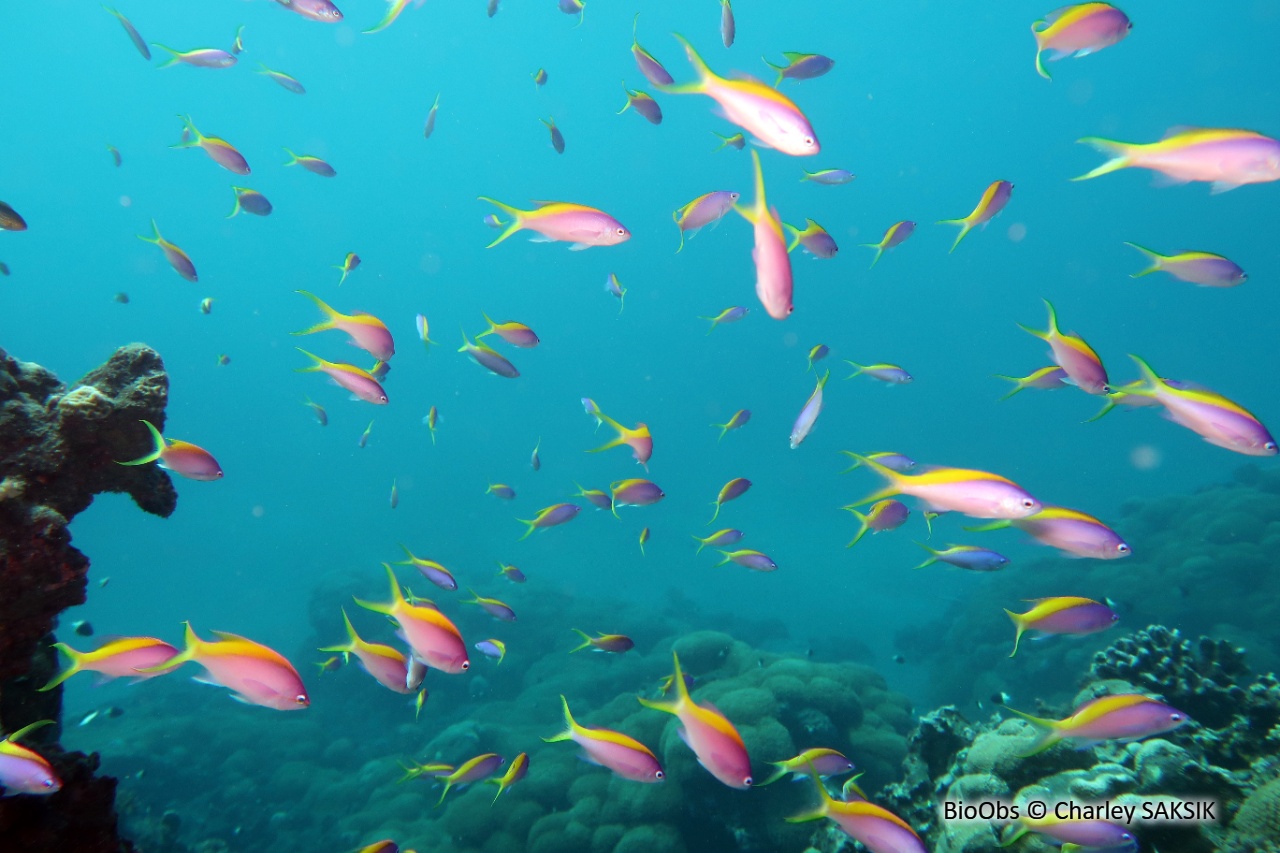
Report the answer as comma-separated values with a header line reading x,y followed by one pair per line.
x,y
928,103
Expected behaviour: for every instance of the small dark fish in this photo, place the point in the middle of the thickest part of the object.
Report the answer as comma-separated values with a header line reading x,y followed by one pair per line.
x,y
83,628
138,41
314,165
557,138
4,268
728,27
539,77
899,659
115,156
284,80
224,360
206,305
492,8
250,201
10,219
122,298
237,46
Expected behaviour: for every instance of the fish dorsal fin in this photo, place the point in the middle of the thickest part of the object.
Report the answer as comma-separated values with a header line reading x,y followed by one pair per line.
x,y
1180,129
1056,14
540,203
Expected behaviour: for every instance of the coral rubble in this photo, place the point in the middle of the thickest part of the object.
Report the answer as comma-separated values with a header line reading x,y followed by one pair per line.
x,y
58,448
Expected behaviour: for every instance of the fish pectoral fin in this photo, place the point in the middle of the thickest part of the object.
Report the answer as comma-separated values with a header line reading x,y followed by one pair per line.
x,y
541,238
1218,187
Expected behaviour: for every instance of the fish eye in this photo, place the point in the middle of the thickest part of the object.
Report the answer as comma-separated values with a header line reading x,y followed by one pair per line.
x,y
301,699
808,141
466,665
1177,718
747,781
1270,447
383,398
48,783
659,775
1122,548
622,232
1027,503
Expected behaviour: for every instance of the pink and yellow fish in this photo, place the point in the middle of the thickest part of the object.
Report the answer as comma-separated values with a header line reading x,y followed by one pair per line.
x,y
1122,717
1063,614
23,770
708,733
219,150
178,259
550,516
1224,157
121,657
434,639
638,439
180,457
254,673
624,755
879,830
1071,531
764,112
773,264
366,331
993,200
1078,30
388,666
1219,421
577,224
896,235
1083,366
359,382
516,771
979,494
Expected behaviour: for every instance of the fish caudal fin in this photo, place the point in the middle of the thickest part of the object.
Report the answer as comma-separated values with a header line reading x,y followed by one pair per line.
x,y
569,724
327,324
75,662
511,227
1117,151
862,531
1052,732
1150,256
823,808
700,68
965,227
156,452
1021,625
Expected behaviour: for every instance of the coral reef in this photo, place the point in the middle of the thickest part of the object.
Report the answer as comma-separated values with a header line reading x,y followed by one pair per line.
x,y
57,450
1229,751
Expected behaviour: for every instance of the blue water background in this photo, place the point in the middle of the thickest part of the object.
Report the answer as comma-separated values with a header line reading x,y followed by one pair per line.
x,y
928,103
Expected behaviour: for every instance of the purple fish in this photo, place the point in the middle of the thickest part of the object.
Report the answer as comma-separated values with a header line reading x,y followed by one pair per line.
x,y
1073,354
23,770
431,570
896,235
599,499
1046,378
134,35
890,373
829,177
495,608
557,140
969,557
492,649
728,536
808,414
728,28
887,514
642,103
177,258
1203,268
488,358
1070,531
511,573
754,560
814,239
1120,717
1219,421
250,201
893,461
651,68
1097,836
634,492
735,488
207,57
550,516
702,211
314,165
315,10
1062,615
801,66
219,150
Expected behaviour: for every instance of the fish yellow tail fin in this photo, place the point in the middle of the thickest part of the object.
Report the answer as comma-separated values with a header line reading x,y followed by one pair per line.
x,y
75,661
1117,151
516,223
965,227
